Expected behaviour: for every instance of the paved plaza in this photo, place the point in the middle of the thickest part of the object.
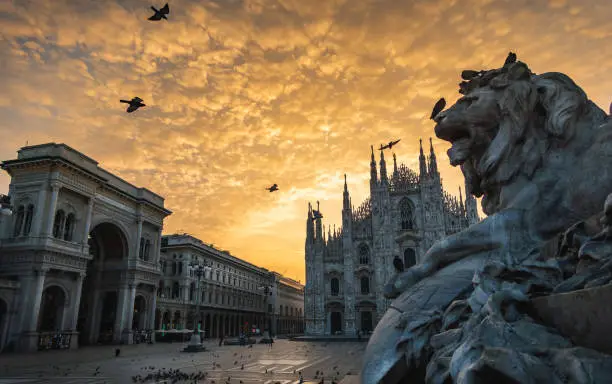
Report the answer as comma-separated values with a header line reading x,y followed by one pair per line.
x,y
226,364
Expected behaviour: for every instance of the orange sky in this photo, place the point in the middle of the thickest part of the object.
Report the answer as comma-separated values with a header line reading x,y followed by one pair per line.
x,y
244,93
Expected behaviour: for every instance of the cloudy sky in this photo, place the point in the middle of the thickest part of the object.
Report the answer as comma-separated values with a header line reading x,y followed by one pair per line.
x,y
244,93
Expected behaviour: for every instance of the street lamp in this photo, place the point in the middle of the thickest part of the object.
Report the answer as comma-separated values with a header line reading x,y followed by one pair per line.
x,y
267,292
195,344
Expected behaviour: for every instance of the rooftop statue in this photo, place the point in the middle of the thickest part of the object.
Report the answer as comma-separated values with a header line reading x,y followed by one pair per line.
x,y
539,153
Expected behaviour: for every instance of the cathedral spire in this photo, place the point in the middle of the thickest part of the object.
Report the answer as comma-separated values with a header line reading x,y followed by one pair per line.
x,y
318,225
383,169
433,164
395,175
346,202
309,226
373,174
422,164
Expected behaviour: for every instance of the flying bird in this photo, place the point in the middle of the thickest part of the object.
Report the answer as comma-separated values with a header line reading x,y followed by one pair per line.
x,y
438,108
160,14
135,103
510,59
273,188
390,145
398,264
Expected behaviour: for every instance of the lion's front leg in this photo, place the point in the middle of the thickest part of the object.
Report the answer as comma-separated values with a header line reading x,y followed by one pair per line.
x,y
500,230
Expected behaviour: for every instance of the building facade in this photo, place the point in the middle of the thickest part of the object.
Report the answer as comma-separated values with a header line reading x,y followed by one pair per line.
x,y
80,251
347,269
288,299
227,297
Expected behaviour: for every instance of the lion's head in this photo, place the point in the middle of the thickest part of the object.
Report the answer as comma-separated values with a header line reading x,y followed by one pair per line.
x,y
507,121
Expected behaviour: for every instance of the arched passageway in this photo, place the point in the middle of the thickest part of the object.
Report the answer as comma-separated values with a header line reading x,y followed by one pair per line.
x,y
140,312
51,313
98,307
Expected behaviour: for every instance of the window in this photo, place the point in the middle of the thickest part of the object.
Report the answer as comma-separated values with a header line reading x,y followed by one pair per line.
x,y
405,209
335,286
174,268
409,258
175,290
365,285
58,224
69,227
141,249
28,220
180,268
18,221
147,249
364,254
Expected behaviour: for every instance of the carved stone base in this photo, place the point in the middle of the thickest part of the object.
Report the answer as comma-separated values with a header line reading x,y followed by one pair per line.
x,y
74,340
195,344
28,342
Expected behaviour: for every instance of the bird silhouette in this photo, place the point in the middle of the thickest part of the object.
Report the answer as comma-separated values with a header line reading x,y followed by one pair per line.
x,y
135,103
273,188
161,13
438,108
398,264
389,145
316,215
510,59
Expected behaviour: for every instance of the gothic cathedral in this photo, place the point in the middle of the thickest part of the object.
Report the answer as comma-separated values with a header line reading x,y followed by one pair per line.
x,y
347,269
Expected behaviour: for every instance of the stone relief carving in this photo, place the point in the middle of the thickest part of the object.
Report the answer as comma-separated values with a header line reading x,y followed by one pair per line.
x,y
532,146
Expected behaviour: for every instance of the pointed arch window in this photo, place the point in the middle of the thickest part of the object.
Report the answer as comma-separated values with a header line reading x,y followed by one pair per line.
x,y
69,227
409,258
19,221
364,254
58,224
406,216
27,225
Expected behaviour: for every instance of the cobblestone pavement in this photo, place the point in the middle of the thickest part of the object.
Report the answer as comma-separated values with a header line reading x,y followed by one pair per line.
x,y
258,364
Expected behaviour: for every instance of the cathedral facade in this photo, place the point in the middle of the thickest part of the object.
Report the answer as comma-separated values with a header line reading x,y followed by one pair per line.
x,y
346,269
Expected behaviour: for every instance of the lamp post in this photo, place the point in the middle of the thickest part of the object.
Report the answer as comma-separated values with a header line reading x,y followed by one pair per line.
x,y
267,292
195,344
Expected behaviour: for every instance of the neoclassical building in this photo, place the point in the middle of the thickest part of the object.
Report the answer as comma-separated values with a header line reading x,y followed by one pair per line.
x,y
347,269
79,257
288,298
228,295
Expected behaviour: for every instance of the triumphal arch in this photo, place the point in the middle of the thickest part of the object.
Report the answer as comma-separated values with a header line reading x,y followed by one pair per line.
x,y
79,257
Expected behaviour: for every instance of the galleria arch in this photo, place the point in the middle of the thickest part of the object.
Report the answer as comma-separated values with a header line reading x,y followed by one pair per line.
x,y
86,267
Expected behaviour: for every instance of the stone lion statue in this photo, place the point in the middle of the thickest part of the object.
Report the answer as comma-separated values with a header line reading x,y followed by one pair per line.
x,y
539,153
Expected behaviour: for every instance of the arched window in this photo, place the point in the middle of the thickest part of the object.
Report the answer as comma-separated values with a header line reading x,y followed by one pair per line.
x,y
58,224
365,285
364,254
147,249
69,227
141,249
406,215
18,221
180,269
409,258
174,269
335,286
175,290
192,291
27,225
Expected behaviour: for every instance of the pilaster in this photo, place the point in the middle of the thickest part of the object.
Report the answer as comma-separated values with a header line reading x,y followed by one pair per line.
x,y
55,187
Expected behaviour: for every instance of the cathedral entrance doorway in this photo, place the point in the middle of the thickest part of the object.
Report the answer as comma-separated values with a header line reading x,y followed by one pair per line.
x,y
366,322
98,307
335,322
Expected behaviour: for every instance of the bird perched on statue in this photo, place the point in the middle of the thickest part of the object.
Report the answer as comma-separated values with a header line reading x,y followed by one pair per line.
x,y
390,145
438,108
398,264
161,13
273,188
510,59
316,215
135,103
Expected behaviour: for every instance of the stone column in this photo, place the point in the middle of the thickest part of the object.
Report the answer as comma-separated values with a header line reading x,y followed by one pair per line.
x,y
39,215
151,324
37,291
138,236
122,303
52,207
157,247
88,222
129,315
74,340
31,307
